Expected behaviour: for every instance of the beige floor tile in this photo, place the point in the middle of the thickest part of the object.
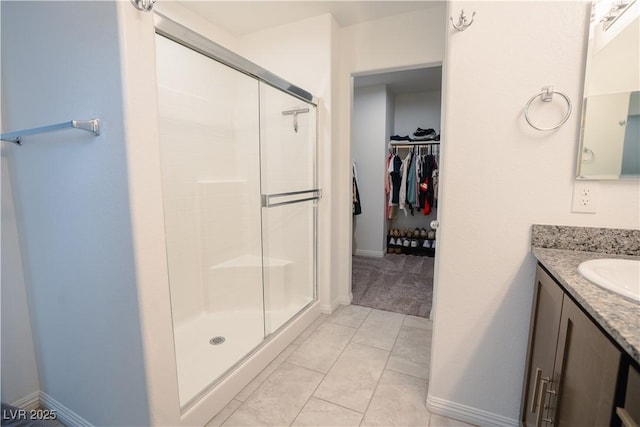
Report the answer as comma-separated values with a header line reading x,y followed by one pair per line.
x,y
440,421
321,349
279,399
310,329
222,416
418,322
379,329
321,413
352,380
264,374
399,400
412,352
350,315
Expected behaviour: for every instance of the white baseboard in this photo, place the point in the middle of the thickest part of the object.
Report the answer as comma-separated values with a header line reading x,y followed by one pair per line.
x,y
65,415
343,300
346,300
29,402
326,308
467,414
40,399
370,254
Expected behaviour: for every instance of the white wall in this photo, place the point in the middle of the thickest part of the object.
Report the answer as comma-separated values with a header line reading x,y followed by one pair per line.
x,y
368,151
179,13
19,369
72,208
420,109
484,272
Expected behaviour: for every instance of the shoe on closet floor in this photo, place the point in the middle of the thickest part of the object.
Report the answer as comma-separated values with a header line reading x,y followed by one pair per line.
x,y
391,246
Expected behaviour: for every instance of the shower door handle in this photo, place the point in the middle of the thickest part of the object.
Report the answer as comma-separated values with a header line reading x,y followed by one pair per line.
x,y
271,200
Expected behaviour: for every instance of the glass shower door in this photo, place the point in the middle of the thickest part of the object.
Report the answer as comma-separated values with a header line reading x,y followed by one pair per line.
x,y
209,149
289,204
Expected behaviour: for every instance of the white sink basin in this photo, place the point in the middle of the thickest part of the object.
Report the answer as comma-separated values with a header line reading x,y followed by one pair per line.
x,y
621,276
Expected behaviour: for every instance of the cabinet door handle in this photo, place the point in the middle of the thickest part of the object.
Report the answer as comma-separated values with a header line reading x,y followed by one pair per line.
x,y
541,396
536,385
625,417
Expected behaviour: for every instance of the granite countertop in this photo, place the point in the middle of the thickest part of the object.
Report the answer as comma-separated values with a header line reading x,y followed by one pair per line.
x,y
617,315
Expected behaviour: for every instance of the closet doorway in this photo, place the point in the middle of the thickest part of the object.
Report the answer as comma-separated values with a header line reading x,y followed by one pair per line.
x,y
395,153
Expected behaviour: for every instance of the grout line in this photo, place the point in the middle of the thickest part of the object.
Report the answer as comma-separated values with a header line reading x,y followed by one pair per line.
x,y
404,373
383,369
408,375
336,361
306,367
230,414
337,404
323,378
286,360
268,376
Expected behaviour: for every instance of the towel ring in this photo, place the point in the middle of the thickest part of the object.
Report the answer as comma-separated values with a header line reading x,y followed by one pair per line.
x,y
546,95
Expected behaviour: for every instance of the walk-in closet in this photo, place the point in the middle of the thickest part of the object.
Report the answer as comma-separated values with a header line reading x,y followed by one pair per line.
x,y
395,148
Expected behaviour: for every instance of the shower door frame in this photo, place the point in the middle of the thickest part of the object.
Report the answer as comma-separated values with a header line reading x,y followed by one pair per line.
x,y
182,35
188,38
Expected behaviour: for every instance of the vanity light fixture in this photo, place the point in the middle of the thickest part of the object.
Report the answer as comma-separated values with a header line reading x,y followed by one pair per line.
x,y
616,9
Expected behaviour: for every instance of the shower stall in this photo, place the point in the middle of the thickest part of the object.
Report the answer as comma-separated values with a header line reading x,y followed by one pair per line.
x,y
238,155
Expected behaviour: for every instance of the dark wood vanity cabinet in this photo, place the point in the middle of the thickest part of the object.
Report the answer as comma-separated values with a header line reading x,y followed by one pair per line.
x,y
628,409
572,367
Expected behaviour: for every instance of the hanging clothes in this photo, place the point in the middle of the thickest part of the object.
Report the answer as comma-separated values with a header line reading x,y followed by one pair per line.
x,y
411,184
402,203
434,178
357,207
395,178
431,165
387,188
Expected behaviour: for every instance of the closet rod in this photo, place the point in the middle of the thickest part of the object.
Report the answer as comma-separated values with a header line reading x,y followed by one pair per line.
x,y
92,126
412,144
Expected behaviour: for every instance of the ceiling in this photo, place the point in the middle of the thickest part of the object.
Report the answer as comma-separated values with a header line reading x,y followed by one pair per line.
x,y
409,81
241,17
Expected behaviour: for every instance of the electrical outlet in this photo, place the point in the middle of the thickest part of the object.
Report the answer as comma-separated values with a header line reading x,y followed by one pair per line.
x,y
586,196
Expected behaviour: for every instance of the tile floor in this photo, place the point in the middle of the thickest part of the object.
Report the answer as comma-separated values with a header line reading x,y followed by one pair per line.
x,y
357,367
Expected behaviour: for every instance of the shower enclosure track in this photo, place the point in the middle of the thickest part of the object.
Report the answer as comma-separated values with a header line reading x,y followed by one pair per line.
x,y
180,34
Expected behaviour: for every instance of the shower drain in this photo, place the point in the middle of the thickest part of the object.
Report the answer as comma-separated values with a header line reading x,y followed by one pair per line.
x,y
216,340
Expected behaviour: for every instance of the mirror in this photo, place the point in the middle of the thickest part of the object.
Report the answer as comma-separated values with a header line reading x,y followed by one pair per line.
x,y
610,134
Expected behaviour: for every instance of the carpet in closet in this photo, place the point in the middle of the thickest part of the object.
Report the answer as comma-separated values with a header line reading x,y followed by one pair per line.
x,y
398,283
